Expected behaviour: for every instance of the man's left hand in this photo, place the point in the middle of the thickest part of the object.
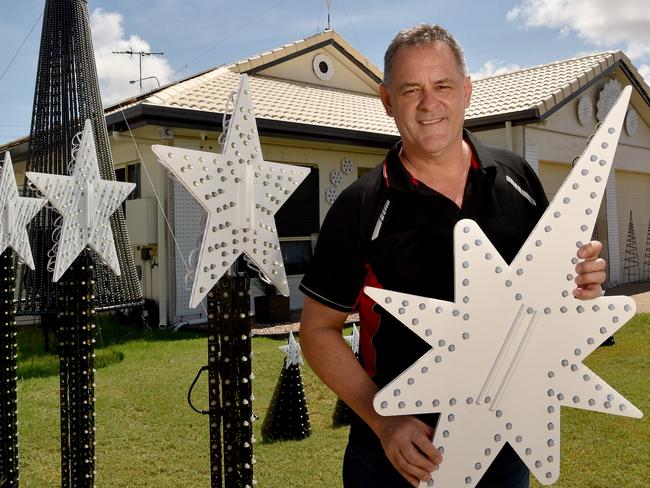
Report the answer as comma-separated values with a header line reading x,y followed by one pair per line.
x,y
590,271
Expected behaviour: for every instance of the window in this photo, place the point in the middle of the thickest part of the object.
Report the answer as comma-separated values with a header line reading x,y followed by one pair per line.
x,y
296,221
130,174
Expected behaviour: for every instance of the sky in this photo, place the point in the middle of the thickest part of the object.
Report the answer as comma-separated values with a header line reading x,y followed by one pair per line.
x,y
195,35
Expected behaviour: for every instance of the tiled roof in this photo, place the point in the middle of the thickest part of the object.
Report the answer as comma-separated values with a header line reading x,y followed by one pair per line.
x,y
540,87
279,99
534,89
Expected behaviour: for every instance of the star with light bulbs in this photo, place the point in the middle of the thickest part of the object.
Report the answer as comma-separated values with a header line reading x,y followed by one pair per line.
x,y
293,351
241,194
508,352
15,213
353,339
86,202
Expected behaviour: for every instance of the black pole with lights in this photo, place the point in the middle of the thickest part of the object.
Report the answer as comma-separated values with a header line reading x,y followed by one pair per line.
x,y
9,475
229,325
230,381
77,373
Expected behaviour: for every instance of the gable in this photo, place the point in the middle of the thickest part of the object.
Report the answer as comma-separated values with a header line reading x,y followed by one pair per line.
x,y
578,116
325,66
325,59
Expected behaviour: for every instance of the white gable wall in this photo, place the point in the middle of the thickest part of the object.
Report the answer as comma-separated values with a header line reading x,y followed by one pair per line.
x,y
347,75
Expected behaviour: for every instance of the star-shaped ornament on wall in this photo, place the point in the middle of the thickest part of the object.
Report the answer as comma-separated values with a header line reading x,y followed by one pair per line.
x,y
15,213
293,351
241,194
86,202
507,354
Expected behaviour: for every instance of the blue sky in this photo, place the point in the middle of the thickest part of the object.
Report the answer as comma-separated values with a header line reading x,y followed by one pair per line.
x,y
195,35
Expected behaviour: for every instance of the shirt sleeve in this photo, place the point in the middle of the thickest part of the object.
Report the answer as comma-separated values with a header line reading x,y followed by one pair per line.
x,y
337,270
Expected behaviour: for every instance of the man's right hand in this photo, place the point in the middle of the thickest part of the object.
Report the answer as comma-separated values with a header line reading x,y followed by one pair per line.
x,y
407,444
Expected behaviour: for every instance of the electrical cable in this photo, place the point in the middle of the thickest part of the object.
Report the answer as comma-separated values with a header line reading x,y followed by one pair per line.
x,y
20,47
225,38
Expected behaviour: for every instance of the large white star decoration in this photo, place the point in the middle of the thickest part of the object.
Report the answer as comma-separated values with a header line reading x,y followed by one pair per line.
x,y
86,203
241,193
353,339
507,354
15,213
292,350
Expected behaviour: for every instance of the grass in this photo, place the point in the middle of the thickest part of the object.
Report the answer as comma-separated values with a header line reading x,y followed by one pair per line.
x,y
147,436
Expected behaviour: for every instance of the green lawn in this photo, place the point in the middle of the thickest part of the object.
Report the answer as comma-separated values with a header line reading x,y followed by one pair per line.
x,y
147,436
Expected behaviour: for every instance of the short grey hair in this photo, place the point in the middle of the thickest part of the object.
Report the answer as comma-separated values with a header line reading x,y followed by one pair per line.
x,y
423,35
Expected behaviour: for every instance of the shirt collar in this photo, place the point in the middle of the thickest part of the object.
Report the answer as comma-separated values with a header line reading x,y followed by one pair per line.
x,y
396,176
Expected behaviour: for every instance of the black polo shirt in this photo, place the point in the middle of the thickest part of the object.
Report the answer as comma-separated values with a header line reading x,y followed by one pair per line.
x,y
390,231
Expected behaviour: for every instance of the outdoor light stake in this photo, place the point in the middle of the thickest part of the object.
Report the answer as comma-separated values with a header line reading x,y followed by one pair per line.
x,y
9,476
230,378
15,213
77,373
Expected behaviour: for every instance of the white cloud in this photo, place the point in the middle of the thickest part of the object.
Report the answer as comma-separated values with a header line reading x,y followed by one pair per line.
x,y
601,23
494,67
644,69
116,70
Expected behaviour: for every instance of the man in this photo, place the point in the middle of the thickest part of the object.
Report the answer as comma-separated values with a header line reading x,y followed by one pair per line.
x,y
393,229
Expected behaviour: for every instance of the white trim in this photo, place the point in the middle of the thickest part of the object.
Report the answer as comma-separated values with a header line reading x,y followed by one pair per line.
x,y
521,190
380,221
303,287
613,241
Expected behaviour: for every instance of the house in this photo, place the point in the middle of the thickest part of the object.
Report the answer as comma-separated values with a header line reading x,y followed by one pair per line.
x,y
317,104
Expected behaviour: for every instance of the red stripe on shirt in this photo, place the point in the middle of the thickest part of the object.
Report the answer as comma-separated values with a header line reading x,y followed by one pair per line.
x,y
369,324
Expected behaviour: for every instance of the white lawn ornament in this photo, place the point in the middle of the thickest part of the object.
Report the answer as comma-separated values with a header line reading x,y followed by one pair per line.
x,y
241,194
86,202
353,339
15,213
507,354
293,351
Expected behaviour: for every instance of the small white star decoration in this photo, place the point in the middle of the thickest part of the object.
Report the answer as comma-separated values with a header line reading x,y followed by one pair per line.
x,y
353,339
292,350
241,193
507,354
15,213
86,202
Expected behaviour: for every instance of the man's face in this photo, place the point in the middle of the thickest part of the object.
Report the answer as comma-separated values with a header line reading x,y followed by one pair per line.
x,y
427,96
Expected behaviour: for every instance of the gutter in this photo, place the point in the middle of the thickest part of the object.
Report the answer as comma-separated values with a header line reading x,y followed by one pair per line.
x,y
146,114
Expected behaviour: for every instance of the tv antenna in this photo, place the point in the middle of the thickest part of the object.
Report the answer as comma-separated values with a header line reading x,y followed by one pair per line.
x,y
329,12
140,54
